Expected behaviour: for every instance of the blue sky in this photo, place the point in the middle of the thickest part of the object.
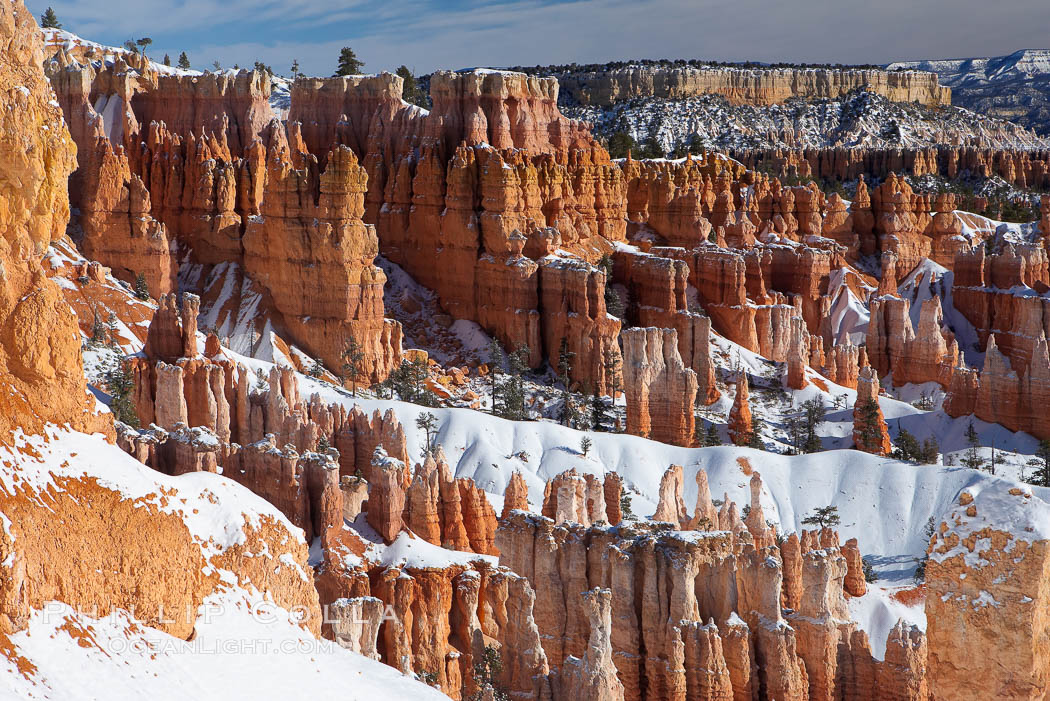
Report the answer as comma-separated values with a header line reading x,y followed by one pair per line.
x,y
462,33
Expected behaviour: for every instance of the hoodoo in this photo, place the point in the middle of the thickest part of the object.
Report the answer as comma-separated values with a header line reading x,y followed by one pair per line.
x,y
657,380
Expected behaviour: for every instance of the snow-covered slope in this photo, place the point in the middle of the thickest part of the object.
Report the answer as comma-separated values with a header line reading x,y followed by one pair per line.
x,y
1015,86
861,119
244,649
69,655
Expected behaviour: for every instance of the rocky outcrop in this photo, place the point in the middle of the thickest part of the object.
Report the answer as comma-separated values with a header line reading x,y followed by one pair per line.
x,y
664,587
319,256
574,498
1005,297
593,676
452,513
355,624
762,86
926,354
740,424
440,620
670,508
870,432
1023,168
983,577
658,287
516,495
40,362
386,498
660,390
198,160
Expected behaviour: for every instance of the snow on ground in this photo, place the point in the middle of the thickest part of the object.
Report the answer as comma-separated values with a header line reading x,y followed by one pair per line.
x,y
408,550
214,508
878,611
859,119
68,40
884,503
79,658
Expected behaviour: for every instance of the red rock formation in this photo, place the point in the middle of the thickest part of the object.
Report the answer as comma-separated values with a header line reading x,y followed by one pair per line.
x,y
658,288
574,498
593,676
439,620
1014,383
1029,168
670,508
320,258
968,588
572,296
386,498
655,577
926,355
748,86
613,488
660,390
705,516
516,495
870,433
854,583
740,429
40,361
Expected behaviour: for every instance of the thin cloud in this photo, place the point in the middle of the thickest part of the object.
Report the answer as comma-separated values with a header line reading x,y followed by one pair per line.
x,y
428,35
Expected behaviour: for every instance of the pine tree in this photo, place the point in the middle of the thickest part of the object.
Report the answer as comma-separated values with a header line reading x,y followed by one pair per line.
x,y
295,68
1041,462
409,381
930,451
184,61
348,63
427,422
823,517
706,437
323,444
514,386
569,414
353,357
49,20
870,432
143,43
98,330
754,439
907,447
121,385
167,60
496,360
625,505
585,445
814,412
141,287
410,91
712,438
599,412
611,364
972,459
795,432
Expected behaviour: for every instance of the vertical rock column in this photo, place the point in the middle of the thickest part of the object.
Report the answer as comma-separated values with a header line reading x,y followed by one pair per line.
x,y
660,390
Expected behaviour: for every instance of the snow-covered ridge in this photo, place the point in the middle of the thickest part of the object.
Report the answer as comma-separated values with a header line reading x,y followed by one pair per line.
x,y
1014,87
954,71
859,120
78,46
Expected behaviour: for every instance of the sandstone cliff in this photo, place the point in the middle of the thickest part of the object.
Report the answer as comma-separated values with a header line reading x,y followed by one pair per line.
x,y
39,352
762,86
